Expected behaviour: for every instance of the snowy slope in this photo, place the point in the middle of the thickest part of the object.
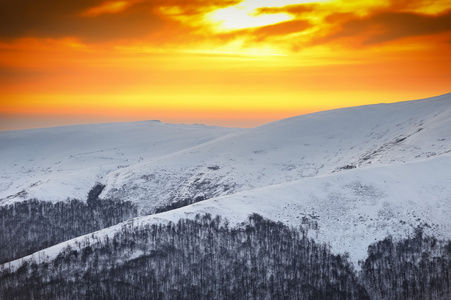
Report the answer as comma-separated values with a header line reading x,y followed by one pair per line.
x,y
154,164
291,149
54,164
353,209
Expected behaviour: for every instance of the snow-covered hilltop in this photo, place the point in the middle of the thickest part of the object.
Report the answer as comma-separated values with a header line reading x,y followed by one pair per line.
x,y
54,164
291,149
155,164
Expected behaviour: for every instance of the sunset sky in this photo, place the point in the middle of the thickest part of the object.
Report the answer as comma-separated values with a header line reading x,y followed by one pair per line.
x,y
228,63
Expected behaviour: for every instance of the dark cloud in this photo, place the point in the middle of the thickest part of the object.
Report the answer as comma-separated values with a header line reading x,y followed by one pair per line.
x,y
49,18
382,24
54,19
57,19
410,5
9,74
193,7
389,26
25,17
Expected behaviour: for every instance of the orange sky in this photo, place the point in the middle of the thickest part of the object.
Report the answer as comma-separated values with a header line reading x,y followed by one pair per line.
x,y
228,63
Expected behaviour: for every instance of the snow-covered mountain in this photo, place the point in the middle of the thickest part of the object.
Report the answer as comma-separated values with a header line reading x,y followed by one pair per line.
x,y
54,164
155,164
352,209
360,173
289,150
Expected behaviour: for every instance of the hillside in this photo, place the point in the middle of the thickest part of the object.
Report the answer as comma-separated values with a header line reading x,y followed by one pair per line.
x,y
54,164
348,210
356,185
291,149
155,164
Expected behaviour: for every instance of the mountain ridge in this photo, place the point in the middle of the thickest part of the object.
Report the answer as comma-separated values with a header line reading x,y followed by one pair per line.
x,y
147,161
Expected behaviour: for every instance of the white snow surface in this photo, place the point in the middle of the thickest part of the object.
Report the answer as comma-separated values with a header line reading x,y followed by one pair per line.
x,y
362,172
290,149
54,164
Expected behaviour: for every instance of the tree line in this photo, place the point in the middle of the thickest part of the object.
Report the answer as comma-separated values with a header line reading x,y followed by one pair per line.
x,y
205,258
32,225
202,258
418,267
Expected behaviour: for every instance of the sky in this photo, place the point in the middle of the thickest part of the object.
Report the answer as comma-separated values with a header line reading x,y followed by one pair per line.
x,y
238,63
